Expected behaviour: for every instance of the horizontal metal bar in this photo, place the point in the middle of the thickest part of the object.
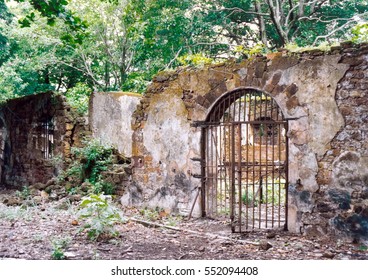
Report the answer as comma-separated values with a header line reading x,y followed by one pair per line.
x,y
256,163
203,124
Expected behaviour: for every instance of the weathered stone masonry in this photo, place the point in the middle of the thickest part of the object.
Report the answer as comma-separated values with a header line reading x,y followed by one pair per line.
x,y
35,131
323,94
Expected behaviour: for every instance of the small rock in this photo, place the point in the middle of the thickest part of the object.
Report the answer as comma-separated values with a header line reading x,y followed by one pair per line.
x,y
86,186
53,196
37,199
271,235
69,255
202,249
264,245
75,197
328,255
50,182
44,196
38,186
75,223
63,205
12,201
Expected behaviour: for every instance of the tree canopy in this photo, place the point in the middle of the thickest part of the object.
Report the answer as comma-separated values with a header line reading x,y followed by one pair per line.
x,y
120,44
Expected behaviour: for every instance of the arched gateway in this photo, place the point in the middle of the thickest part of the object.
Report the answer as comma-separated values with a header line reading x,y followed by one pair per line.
x,y
244,157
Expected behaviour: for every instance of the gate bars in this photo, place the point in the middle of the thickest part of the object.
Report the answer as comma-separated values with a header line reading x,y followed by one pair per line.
x,y
245,161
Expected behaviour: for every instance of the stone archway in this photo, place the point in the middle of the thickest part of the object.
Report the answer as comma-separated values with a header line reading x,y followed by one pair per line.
x,y
245,158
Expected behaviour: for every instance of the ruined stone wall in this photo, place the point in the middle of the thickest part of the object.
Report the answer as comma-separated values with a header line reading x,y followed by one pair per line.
x,y
36,136
324,96
110,118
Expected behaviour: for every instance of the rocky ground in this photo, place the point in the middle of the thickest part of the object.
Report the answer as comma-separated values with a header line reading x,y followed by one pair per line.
x,y
44,229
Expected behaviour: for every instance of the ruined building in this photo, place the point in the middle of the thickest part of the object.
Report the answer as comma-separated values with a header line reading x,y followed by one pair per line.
x,y
268,142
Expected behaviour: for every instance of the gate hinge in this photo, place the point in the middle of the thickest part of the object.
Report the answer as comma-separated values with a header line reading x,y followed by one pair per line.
x,y
199,124
197,159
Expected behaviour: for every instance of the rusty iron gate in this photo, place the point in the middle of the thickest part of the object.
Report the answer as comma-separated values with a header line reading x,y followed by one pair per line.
x,y
245,161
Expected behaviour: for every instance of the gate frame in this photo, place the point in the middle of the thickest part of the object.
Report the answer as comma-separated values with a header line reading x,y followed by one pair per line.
x,y
203,145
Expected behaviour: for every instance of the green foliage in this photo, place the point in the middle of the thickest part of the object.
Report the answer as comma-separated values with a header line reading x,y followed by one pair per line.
x,y
94,158
360,33
52,10
58,247
90,161
248,52
100,217
103,187
74,46
24,193
78,97
194,60
159,214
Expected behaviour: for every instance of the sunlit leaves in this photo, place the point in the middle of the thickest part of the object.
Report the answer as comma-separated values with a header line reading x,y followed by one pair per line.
x,y
360,33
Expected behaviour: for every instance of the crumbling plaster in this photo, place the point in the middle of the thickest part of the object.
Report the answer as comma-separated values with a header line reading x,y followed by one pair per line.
x,y
117,108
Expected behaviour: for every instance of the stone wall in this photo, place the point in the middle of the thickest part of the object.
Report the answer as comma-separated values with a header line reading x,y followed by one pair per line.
x,y
110,118
324,96
36,136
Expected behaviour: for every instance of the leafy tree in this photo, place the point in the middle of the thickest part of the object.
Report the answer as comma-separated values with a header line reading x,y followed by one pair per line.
x,y
121,44
31,57
279,22
52,10
5,16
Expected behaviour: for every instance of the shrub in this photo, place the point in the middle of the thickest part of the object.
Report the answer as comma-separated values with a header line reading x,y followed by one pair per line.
x,y
90,161
100,216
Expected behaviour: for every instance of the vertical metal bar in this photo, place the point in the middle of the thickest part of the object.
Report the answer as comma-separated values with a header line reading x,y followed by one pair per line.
x,y
45,139
266,161
239,177
213,195
233,160
279,172
247,200
261,139
286,162
254,159
219,129
232,196
203,171
273,168
228,157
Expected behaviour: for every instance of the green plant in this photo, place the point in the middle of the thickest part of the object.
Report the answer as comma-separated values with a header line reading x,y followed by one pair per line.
x,y
94,158
90,160
197,59
58,246
24,193
100,216
360,33
259,48
363,248
104,187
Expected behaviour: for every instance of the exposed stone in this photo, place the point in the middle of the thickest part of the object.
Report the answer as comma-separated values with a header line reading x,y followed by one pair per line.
x,y
38,186
264,245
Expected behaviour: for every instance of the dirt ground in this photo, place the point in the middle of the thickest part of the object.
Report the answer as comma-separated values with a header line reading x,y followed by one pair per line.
x,y
52,230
